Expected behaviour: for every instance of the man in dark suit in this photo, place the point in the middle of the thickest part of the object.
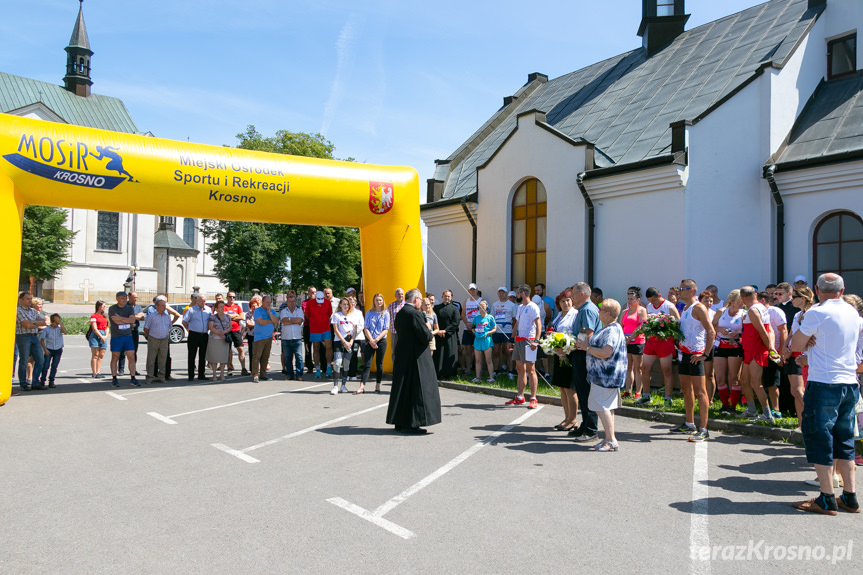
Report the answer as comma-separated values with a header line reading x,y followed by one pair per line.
x,y
414,396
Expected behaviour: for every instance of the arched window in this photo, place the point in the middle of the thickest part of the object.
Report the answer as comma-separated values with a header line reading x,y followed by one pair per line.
x,y
838,248
528,233
189,228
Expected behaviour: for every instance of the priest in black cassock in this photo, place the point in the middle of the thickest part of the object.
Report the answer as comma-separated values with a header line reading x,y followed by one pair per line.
x,y
446,346
414,396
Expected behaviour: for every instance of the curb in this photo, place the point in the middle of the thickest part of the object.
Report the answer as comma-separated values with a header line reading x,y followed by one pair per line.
x,y
730,427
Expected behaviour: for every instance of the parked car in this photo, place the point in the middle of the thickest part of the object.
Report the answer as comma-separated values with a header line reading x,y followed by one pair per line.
x,y
179,332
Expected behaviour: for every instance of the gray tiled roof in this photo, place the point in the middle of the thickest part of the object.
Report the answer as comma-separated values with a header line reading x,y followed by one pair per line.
x,y
94,111
624,105
830,125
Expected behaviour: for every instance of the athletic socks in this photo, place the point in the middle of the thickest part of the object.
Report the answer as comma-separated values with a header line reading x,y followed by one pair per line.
x,y
736,392
849,500
723,395
827,501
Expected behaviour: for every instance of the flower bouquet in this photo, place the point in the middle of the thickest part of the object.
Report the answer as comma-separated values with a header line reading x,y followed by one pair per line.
x,y
561,340
661,326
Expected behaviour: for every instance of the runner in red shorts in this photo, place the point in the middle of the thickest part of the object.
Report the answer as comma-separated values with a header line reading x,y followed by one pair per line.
x,y
757,348
657,348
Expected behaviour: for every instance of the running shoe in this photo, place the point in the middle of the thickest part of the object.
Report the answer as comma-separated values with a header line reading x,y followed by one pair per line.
x,y
776,414
667,402
626,395
334,390
645,399
476,380
699,437
763,417
636,396
511,375
114,381
515,401
684,430
533,403
317,373
490,380
343,389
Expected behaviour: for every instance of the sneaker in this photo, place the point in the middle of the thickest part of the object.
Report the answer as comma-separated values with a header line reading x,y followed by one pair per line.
x,y
255,380
329,372
749,414
837,482
245,371
699,437
51,384
667,402
230,372
511,375
121,372
727,410
490,380
763,417
684,430
515,401
585,437
645,399
533,403
317,373
134,382
334,390
636,396
343,389
114,381
776,414
25,387
476,380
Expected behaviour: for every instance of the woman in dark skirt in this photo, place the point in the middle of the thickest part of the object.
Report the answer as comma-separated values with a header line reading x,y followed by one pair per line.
x,y
562,374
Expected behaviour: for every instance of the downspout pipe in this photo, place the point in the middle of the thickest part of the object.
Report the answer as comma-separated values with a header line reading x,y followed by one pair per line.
x,y
579,180
780,221
473,251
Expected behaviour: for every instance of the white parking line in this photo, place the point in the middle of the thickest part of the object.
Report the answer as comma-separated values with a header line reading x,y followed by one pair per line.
x,y
170,418
699,537
376,517
241,453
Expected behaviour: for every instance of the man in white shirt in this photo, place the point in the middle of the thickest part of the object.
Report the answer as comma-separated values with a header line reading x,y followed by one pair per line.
x,y
503,311
829,334
527,330
157,328
770,380
291,320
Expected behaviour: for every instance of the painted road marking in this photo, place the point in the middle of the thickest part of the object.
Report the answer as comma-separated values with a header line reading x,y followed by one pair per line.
x,y
241,453
376,517
699,537
170,418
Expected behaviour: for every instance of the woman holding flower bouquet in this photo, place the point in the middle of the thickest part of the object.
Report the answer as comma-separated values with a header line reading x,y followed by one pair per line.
x,y
661,348
606,370
562,367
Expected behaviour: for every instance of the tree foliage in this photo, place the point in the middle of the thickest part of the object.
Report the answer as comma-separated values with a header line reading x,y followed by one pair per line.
x,y
259,255
45,242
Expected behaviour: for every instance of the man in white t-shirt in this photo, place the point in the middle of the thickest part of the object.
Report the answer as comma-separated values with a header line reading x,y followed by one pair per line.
x,y
291,319
469,310
503,311
527,330
829,334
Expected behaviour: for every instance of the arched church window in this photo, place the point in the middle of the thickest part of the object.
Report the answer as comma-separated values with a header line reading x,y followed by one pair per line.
x,y
189,229
528,233
838,248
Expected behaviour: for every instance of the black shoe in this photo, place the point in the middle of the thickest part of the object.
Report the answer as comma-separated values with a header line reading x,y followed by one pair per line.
x,y
51,385
40,387
169,378
245,371
201,378
114,381
412,430
585,437
576,432
191,379
265,378
134,382
25,387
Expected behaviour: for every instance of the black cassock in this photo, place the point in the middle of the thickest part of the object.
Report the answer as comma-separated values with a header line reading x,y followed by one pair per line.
x,y
414,396
446,352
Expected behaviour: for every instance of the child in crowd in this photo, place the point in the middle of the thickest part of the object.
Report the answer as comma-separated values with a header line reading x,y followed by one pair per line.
x,y
51,339
484,327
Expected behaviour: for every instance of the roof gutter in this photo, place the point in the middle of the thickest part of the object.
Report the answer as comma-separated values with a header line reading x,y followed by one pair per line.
x,y
780,221
473,251
579,180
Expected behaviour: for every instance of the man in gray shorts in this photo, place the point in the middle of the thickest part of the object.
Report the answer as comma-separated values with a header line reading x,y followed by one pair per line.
x,y
527,329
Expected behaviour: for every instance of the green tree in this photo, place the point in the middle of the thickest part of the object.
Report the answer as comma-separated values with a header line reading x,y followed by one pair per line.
x,y
257,255
45,242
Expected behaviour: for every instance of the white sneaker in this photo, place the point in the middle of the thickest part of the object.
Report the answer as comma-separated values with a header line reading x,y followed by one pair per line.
x,y
511,376
475,380
490,380
254,380
837,481
334,390
344,389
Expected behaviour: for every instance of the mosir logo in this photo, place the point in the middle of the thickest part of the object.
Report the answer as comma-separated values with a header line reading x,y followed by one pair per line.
x,y
380,197
66,162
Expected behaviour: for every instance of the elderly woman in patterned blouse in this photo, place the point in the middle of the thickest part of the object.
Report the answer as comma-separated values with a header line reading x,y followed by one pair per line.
x,y
606,370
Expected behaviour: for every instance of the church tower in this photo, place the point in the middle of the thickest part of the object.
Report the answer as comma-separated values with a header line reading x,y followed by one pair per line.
x,y
661,22
77,79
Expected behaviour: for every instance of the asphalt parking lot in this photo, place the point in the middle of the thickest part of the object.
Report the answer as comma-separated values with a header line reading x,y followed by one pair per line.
x,y
281,477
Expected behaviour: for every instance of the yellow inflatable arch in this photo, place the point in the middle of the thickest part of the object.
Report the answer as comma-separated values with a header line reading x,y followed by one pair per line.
x,y
50,164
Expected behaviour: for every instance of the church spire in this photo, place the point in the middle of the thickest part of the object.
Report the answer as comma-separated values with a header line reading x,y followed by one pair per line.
x,y
77,79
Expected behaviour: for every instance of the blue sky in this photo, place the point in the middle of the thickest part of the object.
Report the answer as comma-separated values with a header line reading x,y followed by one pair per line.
x,y
387,82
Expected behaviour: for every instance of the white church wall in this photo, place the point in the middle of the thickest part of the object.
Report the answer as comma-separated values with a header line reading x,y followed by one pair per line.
x,y
450,239
638,229
532,152
810,195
